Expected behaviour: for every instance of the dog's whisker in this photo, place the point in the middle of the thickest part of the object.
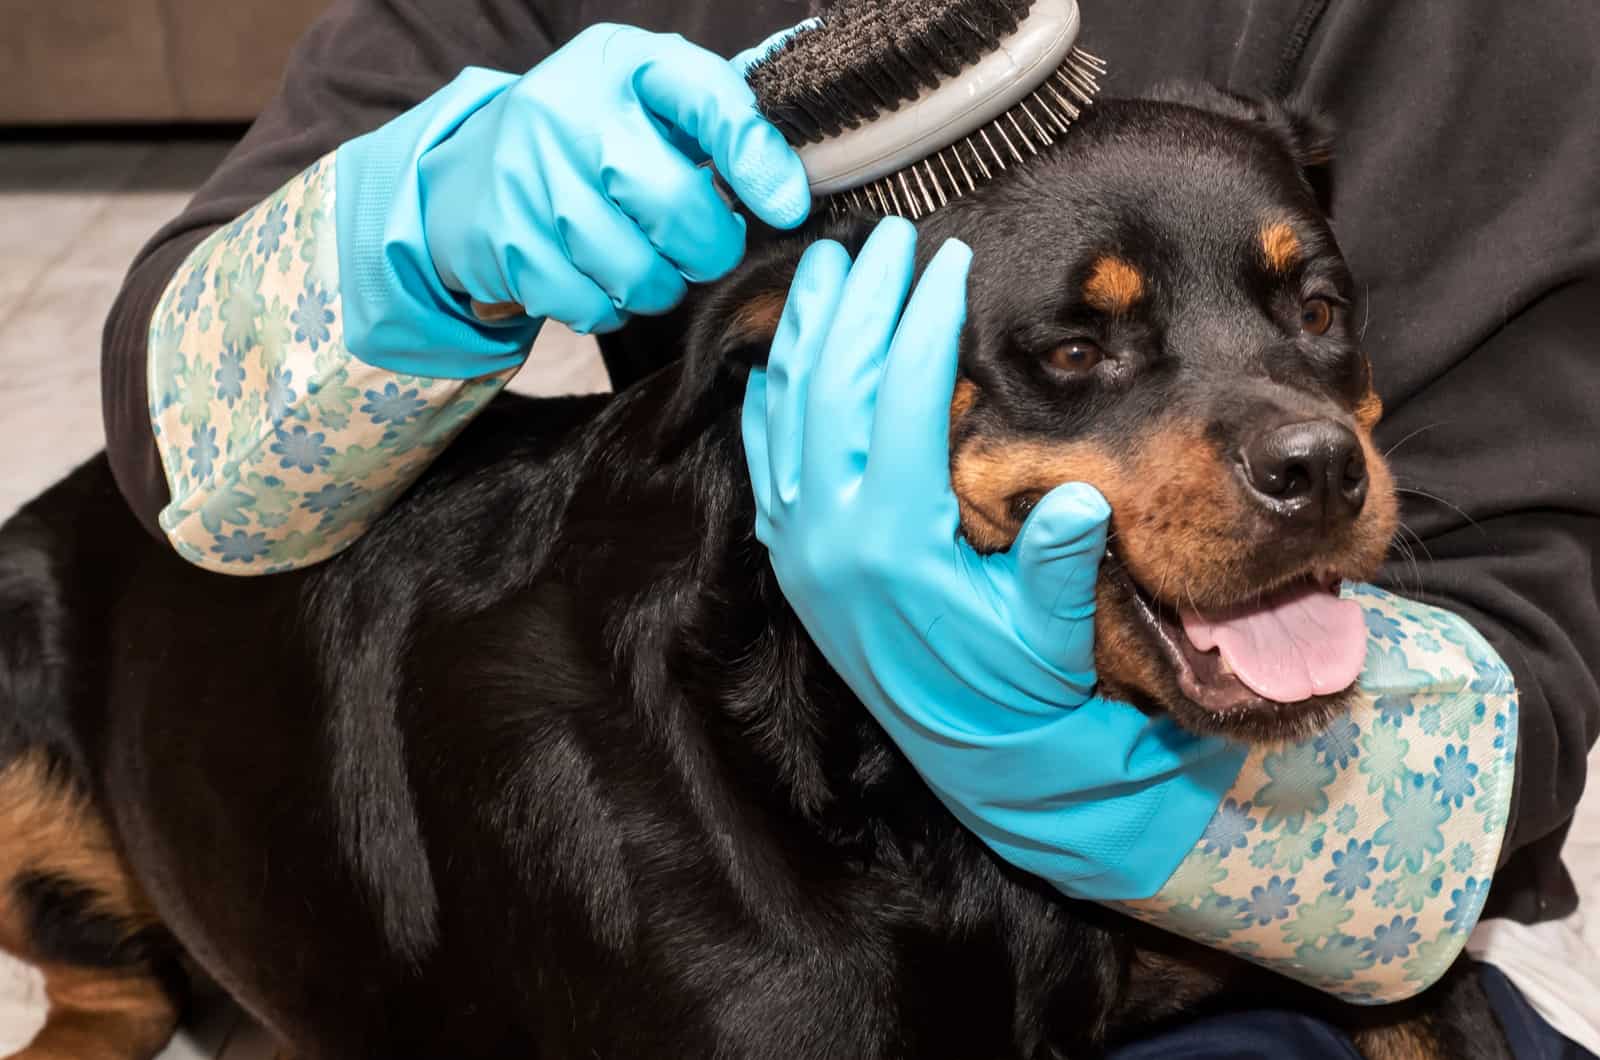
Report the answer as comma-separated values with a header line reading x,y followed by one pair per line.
x,y
1425,427
1409,554
1420,542
1440,500
1188,591
1161,587
1412,550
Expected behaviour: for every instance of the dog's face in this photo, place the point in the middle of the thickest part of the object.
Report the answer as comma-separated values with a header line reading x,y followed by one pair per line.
x,y
1159,309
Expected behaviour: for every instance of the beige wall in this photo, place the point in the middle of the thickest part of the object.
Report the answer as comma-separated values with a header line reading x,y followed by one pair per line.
x,y
66,61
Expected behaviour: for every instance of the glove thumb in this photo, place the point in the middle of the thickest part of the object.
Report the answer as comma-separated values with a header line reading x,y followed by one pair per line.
x,y
1057,561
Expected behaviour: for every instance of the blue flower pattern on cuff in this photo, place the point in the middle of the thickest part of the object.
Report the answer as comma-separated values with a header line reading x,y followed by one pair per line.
x,y
279,447
1358,859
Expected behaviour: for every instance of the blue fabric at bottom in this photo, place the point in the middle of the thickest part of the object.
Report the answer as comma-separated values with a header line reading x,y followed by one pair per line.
x,y
1271,1034
1268,1034
1530,1036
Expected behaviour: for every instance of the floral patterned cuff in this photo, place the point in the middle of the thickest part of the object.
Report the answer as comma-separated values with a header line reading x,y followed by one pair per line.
x,y
1358,860
280,447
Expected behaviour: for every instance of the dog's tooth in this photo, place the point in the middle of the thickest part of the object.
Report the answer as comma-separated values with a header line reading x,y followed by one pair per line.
x,y
1222,666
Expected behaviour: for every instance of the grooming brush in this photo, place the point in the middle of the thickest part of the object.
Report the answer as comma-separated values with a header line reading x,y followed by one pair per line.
x,y
899,106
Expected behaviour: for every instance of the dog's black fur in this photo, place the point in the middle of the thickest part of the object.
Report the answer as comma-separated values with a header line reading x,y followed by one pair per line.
x,y
544,765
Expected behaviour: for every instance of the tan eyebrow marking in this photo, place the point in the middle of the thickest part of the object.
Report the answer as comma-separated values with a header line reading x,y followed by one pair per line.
x,y
1280,246
1369,410
1113,286
961,403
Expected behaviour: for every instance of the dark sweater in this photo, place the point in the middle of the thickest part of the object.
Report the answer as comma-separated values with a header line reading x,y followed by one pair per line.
x,y
1466,196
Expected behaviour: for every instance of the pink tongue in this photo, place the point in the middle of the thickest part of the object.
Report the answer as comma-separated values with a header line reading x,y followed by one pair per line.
x,y
1306,642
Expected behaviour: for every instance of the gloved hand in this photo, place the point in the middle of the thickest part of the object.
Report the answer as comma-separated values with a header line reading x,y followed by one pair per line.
x,y
981,668
573,190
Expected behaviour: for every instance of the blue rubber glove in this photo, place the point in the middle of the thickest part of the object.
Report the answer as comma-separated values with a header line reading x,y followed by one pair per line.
x,y
574,190
981,668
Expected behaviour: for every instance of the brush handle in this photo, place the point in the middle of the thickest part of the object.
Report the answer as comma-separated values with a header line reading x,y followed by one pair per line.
x,y
958,107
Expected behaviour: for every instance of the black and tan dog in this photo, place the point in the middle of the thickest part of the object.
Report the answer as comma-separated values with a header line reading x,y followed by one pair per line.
x,y
544,766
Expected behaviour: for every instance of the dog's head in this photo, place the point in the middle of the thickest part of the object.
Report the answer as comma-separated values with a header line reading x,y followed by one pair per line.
x,y
1159,308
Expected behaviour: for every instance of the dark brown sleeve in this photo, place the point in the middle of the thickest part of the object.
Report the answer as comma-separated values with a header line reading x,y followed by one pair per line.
x,y
1504,530
362,63
1468,208
130,443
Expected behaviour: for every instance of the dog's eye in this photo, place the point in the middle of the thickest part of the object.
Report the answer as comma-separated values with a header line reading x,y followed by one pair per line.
x,y
1316,316
1076,355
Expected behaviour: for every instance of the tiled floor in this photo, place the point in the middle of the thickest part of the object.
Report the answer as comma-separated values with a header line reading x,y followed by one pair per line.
x,y
72,216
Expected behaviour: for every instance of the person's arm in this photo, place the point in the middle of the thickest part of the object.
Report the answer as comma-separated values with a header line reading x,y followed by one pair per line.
x,y
1468,209
279,446
1503,527
314,355
361,64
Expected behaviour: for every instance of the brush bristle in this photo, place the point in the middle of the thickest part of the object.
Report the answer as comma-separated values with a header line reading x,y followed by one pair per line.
x,y
1037,121
869,56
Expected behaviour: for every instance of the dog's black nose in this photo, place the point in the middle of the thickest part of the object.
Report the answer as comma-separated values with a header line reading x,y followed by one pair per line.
x,y
1313,474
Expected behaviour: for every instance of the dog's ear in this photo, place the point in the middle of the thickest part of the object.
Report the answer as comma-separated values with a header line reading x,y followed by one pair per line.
x,y
737,317
1303,132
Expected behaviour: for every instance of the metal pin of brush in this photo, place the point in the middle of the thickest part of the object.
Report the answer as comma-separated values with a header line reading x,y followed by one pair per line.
x,y
903,106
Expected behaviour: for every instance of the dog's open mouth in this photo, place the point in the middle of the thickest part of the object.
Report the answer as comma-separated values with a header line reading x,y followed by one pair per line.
x,y
1291,645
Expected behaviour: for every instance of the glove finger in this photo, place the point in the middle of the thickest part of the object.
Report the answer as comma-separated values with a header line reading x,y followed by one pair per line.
x,y
751,56
839,410
607,246
814,296
911,433
1055,566
543,279
700,94
674,203
757,455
